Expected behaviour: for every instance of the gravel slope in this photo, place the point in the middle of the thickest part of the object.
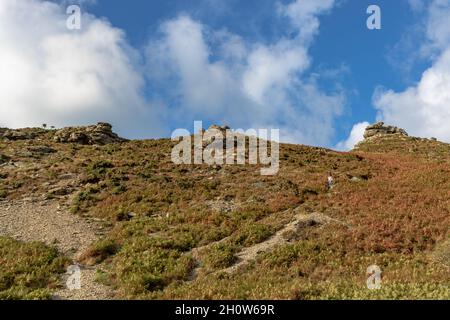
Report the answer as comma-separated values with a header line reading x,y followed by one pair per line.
x,y
49,222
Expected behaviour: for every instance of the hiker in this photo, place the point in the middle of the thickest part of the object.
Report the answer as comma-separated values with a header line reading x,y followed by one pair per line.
x,y
330,181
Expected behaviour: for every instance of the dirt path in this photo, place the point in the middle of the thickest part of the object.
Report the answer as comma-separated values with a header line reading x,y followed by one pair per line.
x,y
285,235
299,222
53,224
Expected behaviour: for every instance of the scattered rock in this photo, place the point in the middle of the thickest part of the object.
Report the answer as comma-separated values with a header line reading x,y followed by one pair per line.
x,y
222,206
99,134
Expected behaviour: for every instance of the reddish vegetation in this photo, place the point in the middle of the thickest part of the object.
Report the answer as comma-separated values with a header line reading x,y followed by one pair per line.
x,y
390,204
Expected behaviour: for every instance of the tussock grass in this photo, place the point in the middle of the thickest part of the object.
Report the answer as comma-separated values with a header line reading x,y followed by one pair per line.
x,y
28,270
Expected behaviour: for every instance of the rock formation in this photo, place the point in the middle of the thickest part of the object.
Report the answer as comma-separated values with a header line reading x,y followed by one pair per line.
x,y
208,139
222,129
19,134
100,134
379,129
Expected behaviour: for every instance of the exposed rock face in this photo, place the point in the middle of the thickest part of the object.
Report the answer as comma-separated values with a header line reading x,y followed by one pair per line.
x,y
208,139
11,134
100,134
222,129
379,129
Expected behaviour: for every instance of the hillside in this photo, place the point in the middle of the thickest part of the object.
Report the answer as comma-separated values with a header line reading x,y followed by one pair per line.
x,y
144,228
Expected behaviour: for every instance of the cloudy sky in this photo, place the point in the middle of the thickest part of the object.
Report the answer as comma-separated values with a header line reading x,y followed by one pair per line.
x,y
311,68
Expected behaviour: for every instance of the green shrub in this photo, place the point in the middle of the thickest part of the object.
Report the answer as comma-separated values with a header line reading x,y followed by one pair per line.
x,y
220,256
252,234
100,251
28,270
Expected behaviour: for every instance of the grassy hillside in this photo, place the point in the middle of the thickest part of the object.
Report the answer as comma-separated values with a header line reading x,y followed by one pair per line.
x,y
176,231
28,271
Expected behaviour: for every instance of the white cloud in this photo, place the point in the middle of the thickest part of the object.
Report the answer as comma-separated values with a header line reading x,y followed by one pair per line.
x,y
438,28
49,74
304,15
424,109
273,67
356,135
218,76
77,2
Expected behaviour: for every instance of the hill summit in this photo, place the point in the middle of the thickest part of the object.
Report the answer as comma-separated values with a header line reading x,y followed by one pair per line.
x,y
380,129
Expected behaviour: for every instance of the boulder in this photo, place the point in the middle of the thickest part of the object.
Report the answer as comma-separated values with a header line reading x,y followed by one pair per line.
x,y
380,129
99,134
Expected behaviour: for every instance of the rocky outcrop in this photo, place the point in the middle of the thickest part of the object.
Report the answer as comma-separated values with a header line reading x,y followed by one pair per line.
x,y
213,129
379,129
19,134
99,134
222,129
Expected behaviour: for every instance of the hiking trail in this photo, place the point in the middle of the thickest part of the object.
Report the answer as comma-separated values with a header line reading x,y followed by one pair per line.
x,y
51,222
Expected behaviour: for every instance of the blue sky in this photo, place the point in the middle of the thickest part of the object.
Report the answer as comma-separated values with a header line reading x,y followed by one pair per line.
x,y
343,42
248,63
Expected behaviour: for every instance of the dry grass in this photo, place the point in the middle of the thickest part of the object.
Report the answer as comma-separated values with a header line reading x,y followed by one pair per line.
x,y
28,270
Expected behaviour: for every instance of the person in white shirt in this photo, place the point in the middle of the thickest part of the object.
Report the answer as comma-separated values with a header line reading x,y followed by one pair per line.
x,y
330,182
